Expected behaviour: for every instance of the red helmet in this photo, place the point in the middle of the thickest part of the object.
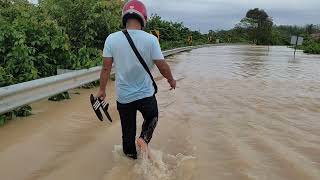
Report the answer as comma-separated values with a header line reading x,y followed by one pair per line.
x,y
135,9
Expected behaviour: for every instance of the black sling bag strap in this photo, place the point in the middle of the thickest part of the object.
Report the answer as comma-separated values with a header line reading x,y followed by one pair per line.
x,y
143,63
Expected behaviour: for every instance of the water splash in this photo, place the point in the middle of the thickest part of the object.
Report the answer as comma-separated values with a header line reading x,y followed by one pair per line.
x,y
160,167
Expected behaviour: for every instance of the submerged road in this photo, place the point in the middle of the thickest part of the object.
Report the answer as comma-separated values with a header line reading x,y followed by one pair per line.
x,y
239,112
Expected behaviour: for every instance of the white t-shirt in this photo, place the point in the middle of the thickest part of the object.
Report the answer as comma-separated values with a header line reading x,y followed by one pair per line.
x,y
132,80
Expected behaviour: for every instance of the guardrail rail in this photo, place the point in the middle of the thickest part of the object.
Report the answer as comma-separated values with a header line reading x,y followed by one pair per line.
x,y
14,96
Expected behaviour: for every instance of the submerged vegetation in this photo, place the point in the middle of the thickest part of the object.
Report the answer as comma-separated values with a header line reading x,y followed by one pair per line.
x,y
312,47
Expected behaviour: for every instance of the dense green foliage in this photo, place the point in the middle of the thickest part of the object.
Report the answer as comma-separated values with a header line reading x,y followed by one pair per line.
x,y
174,34
36,40
86,22
311,46
282,34
31,44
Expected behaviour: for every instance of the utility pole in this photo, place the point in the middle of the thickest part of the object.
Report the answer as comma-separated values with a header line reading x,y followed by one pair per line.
x,y
296,40
295,48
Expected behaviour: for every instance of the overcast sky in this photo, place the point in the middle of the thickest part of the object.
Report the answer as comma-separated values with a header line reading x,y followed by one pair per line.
x,y
224,14
204,15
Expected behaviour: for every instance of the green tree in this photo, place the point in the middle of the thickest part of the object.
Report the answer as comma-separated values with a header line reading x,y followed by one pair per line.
x,y
258,25
174,34
310,29
32,45
86,22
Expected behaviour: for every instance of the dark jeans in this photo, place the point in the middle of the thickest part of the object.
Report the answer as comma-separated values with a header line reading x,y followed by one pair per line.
x,y
128,114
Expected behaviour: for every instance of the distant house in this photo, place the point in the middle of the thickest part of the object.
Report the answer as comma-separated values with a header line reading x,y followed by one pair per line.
x,y
315,35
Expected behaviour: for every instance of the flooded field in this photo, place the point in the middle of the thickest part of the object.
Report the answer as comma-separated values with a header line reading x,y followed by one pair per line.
x,y
239,112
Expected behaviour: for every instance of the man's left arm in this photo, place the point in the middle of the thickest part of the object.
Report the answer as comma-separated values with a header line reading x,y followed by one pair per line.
x,y
161,64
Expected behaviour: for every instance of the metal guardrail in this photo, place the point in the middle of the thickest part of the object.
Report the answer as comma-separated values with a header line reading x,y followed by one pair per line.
x,y
14,96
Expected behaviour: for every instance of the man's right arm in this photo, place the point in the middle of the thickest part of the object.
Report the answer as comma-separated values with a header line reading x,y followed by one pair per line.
x,y
104,77
106,68
105,72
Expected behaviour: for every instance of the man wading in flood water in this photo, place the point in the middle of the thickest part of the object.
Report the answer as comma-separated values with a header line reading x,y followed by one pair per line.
x,y
134,86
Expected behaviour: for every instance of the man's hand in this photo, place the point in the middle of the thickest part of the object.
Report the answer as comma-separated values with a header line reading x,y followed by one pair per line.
x,y
173,84
101,94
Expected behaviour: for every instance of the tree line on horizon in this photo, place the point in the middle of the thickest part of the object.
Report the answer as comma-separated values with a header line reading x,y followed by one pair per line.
x,y
257,27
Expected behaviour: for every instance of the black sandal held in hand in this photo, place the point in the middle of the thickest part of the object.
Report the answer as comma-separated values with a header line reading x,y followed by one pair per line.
x,y
98,104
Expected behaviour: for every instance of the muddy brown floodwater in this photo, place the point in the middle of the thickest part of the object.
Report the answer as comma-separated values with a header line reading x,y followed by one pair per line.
x,y
239,112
